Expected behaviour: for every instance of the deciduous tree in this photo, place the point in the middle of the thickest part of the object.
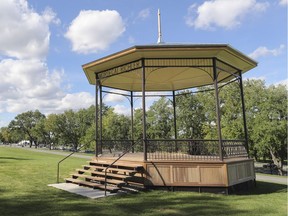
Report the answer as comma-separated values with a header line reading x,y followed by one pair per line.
x,y
26,122
270,125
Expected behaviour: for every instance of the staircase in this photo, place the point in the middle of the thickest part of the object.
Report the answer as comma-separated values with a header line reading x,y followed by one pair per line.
x,y
120,177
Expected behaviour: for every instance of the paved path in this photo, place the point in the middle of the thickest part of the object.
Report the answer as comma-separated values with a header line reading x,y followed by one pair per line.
x,y
57,152
272,178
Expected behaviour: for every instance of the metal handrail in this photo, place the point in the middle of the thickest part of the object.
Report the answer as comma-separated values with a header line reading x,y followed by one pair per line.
x,y
125,152
58,165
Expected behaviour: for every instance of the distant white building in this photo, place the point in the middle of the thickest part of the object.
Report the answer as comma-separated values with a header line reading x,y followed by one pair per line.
x,y
24,142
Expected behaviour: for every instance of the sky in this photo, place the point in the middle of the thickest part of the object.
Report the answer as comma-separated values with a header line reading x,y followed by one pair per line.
x,y
43,44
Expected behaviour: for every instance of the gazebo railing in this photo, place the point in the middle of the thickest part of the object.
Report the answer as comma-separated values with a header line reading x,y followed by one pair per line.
x,y
189,149
180,149
234,148
115,148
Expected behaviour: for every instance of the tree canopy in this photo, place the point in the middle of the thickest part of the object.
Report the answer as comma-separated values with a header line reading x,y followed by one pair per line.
x,y
266,114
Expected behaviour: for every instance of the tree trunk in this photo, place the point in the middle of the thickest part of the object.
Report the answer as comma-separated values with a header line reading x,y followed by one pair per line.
x,y
277,161
75,147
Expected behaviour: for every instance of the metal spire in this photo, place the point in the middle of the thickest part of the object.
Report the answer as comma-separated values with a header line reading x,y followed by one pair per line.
x,y
159,28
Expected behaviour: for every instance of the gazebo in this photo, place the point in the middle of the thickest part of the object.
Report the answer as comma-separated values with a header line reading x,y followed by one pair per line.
x,y
162,69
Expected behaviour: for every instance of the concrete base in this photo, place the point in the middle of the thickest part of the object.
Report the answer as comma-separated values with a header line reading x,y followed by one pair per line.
x,y
82,191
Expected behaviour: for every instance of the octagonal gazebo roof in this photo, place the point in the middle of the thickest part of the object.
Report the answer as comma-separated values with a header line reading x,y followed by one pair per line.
x,y
168,67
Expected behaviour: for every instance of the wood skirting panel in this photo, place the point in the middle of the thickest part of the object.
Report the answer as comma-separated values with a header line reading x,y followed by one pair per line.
x,y
160,175
240,172
213,175
187,174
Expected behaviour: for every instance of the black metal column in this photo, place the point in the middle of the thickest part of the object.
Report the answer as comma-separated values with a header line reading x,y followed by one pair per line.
x,y
243,112
144,110
100,119
132,120
96,115
218,114
175,121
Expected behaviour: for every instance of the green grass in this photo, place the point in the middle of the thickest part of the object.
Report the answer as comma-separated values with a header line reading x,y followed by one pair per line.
x,y
24,176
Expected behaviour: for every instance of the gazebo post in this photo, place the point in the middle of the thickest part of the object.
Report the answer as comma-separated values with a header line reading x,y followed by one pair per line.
x,y
132,120
144,110
244,113
100,119
96,115
218,114
175,121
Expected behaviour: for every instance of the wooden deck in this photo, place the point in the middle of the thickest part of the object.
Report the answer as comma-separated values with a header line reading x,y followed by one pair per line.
x,y
190,173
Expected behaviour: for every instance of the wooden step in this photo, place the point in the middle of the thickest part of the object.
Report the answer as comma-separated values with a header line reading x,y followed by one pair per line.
x,y
132,189
136,184
92,185
120,176
100,179
111,168
136,167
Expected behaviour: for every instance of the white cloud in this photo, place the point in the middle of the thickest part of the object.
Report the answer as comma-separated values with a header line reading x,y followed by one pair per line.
x,y
26,82
263,78
122,110
115,98
283,2
222,13
75,101
27,78
264,51
24,33
94,31
29,85
282,82
144,14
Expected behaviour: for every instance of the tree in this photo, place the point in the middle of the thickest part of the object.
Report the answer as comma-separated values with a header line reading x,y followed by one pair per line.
x,y
138,124
160,119
88,138
5,135
71,126
115,126
232,122
1,135
43,133
26,122
254,92
52,130
270,125
190,116
206,98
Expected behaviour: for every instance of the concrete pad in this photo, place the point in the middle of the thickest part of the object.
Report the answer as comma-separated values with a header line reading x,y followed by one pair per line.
x,y
83,191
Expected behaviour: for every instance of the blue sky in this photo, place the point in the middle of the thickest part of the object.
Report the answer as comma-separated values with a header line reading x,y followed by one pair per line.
x,y
44,43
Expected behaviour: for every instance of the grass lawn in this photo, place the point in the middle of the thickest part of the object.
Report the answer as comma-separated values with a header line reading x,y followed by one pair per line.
x,y
24,176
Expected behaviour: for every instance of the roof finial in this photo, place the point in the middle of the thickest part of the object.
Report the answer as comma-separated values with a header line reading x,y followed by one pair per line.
x,y
159,28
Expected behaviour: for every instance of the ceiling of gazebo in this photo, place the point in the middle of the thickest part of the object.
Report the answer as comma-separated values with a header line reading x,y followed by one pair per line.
x,y
167,67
